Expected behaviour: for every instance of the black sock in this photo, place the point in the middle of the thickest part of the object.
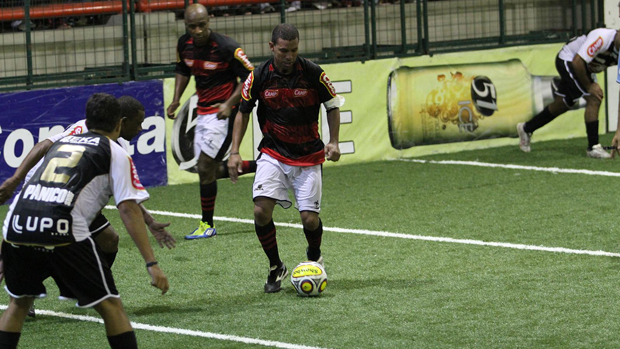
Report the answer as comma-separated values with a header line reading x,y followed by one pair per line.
x,y
110,257
9,340
592,132
538,121
314,242
125,340
267,237
208,193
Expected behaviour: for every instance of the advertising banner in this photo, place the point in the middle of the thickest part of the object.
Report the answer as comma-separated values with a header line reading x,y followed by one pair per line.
x,y
408,107
31,116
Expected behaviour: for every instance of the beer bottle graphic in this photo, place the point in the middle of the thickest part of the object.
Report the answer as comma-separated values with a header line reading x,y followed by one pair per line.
x,y
462,102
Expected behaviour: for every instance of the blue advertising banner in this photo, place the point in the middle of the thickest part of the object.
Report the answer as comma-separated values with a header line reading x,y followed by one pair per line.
x,y
32,116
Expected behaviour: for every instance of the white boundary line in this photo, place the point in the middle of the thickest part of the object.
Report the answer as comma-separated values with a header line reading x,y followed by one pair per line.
x,y
164,329
402,236
512,167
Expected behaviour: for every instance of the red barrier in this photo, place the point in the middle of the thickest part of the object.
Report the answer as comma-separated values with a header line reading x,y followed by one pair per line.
x,y
108,7
159,5
63,10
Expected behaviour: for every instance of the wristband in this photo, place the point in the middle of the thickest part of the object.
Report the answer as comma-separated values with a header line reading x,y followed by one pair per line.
x,y
234,153
150,264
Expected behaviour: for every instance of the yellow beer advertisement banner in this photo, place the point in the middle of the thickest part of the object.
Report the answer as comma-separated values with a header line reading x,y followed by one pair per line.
x,y
408,107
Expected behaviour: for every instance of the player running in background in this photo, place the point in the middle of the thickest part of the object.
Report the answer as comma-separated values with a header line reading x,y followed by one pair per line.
x,y
290,91
217,62
46,230
578,62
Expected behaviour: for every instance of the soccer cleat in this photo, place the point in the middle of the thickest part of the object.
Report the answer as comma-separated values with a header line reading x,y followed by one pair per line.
x,y
597,152
524,138
275,277
31,312
204,230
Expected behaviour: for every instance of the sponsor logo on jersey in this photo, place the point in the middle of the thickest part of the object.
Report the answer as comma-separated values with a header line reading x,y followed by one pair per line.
x,y
270,94
81,140
41,224
135,180
328,84
48,194
300,92
189,62
241,57
76,131
210,65
247,87
594,47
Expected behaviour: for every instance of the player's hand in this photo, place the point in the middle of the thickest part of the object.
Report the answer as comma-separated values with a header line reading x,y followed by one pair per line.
x,y
158,278
595,91
332,151
7,189
162,236
224,110
234,167
171,109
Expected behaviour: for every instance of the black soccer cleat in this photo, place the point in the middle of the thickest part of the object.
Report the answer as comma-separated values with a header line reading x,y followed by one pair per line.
x,y
275,277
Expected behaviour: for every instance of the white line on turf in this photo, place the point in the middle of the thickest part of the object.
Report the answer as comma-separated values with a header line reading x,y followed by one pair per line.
x,y
163,329
402,236
513,167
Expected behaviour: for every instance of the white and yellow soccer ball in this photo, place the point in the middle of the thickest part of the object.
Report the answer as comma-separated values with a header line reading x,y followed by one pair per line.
x,y
309,279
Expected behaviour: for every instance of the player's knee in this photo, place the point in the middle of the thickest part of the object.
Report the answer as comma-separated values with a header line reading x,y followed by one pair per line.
x,y
261,216
310,220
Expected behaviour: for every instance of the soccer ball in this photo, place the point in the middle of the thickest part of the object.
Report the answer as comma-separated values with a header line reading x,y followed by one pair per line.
x,y
309,279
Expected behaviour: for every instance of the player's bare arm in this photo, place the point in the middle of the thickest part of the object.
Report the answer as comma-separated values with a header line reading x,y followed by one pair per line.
x,y
234,161
158,230
131,215
180,83
225,109
332,149
34,155
583,76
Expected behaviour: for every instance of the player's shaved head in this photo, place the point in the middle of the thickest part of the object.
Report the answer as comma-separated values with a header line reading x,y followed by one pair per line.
x,y
195,12
284,31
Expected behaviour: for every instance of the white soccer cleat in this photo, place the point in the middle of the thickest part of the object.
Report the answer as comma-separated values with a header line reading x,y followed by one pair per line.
x,y
598,152
524,138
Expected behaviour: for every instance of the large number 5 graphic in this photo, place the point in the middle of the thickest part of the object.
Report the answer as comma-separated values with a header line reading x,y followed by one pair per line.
x,y
50,174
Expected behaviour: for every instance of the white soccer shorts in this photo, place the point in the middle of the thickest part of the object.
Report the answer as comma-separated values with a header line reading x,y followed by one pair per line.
x,y
273,179
209,135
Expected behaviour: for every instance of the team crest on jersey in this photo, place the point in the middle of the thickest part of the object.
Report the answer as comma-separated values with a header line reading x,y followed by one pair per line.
x,y
135,180
300,92
270,94
241,57
76,131
189,62
596,45
247,87
325,81
210,65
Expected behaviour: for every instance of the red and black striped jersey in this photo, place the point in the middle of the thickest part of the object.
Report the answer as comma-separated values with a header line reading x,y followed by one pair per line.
x,y
215,66
288,110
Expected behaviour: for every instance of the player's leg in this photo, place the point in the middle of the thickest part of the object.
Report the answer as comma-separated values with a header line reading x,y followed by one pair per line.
x,y
270,188
212,139
307,186
207,168
266,233
595,150
12,321
117,326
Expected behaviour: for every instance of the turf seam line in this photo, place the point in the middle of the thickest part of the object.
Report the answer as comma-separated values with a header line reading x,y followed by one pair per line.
x,y
164,329
403,236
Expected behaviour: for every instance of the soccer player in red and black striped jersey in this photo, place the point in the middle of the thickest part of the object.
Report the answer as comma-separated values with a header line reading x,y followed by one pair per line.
x,y
217,63
289,91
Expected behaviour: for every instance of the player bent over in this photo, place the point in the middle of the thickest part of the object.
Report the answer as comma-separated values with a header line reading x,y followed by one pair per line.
x,y
46,229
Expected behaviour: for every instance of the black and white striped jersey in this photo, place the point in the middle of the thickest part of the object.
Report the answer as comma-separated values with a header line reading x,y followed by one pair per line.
x,y
75,181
